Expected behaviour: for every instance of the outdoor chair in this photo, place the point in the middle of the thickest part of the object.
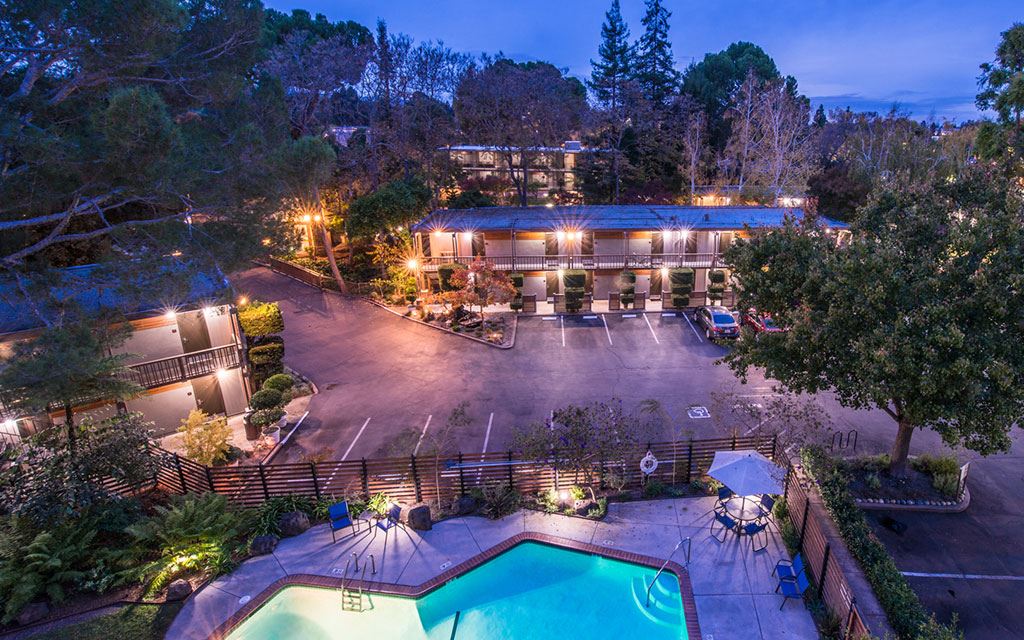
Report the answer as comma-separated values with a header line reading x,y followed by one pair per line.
x,y
752,530
793,589
724,493
767,503
391,518
788,570
727,524
340,518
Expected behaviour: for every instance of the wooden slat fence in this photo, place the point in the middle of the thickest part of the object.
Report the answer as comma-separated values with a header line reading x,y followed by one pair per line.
x,y
832,585
437,478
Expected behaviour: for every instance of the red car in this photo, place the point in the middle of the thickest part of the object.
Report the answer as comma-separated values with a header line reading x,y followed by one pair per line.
x,y
760,322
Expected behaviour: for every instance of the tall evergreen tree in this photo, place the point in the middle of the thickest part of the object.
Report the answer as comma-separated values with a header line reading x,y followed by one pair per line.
x,y
655,66
615,66
820,119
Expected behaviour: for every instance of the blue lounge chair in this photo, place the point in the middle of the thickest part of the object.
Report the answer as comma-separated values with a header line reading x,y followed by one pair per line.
x,y
752,530
789,569
391,518
791,589
340,518
722,518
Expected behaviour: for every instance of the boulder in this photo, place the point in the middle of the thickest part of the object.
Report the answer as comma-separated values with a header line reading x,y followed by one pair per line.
x,y
417,517
293,523
178,590
582,507
465,505
33,612
262,545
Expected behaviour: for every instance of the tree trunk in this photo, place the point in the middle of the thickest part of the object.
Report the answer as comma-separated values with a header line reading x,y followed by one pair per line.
x,y
69,424
329,251
901,449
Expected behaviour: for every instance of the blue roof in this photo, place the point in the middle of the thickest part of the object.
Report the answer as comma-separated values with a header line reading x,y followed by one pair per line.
x,y
93,289
622,217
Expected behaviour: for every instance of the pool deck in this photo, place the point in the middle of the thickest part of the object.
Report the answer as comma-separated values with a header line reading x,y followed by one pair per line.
x,y
733,586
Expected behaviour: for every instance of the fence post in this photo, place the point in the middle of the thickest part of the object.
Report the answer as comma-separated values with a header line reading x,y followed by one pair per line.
x,y
689,460
366,480
511,484
416,479
734,441
462,477
263,481
600,480
803,525
849,618
209,479
824,568
775,444
181,474
316,481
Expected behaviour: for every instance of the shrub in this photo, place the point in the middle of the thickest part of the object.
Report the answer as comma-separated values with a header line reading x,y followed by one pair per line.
x,y
499,500
680,285
268,513
194,533
261,319
627,287
517,303
266,417
265,399
944,470
271,353
716,285
52,564
205,438
444,275
379,503
281,382
653,489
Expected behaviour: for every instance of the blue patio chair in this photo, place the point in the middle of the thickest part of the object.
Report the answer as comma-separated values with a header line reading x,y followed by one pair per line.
x,y
727,523
767,503
752,530
391,518
789,569
791,589
340,518
724,493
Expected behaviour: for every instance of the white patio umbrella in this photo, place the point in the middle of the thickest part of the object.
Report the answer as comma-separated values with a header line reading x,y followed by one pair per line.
x,y
747,472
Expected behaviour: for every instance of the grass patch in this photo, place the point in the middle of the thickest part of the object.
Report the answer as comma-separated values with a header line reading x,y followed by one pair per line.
x,y
133,622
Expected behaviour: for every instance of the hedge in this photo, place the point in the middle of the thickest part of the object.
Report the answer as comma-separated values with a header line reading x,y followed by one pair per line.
x,y
680,285
265,399
574,280
908,617
281,382
261,319
271,353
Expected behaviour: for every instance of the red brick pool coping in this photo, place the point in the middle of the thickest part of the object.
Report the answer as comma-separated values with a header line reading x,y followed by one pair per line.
x,y
387,588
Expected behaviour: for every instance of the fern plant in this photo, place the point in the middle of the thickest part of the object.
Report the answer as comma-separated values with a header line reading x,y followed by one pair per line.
x,y
53,564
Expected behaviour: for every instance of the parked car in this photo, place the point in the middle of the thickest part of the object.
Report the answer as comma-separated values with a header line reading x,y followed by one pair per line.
x,y
759,322
717,322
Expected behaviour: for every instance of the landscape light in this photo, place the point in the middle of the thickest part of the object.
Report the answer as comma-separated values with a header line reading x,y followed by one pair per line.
x,y
550,205
242,301
563,495
316,218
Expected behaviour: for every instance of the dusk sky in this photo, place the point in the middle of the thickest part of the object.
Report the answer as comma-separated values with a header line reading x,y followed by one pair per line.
x,y
866,55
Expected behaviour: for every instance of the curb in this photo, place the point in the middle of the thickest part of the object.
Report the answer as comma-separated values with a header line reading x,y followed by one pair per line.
x,y
512,342
923,506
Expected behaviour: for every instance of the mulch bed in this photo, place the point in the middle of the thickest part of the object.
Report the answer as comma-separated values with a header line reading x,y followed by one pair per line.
x,y
916,486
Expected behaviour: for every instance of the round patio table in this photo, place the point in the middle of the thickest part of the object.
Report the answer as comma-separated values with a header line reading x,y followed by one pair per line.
x,y
743,509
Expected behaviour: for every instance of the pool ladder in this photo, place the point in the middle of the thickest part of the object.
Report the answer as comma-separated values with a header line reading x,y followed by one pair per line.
x,y
689,545
352,599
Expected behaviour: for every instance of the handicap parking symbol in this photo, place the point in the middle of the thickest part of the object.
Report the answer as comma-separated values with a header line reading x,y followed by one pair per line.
x,y
696,412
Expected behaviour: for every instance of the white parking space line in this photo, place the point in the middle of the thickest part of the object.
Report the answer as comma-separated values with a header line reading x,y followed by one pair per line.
x,y
349,450
487,435
561,320
962,576
606,331
424,433
695,332
652,329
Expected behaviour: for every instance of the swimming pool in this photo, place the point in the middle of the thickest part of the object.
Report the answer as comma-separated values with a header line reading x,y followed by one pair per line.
x,y
533,591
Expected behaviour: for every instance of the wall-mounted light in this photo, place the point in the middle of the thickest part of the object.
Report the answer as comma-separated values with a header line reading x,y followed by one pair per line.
x,y
413,264
468,235
560,273
664,272
242,301
171,314
10,426
560,235
222,373
307,218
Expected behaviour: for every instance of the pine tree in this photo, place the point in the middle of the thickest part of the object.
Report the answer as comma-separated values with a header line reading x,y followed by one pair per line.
x,y
820,119
655,67
616,60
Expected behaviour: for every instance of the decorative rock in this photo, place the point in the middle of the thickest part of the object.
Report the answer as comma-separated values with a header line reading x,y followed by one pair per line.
x,y
33,612
582,507
178,590
418,517
465,505
293,523
262,545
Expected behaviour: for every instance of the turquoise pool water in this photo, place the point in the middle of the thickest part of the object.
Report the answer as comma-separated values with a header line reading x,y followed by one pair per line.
x,y
533,591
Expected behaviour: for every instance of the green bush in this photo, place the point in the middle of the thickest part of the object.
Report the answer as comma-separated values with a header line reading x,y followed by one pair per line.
x,y
716,276
194,533
265,399
517,303
574,278
681,285
902,606
261,319
499,500
53,564
627,287
716,285
444,275
266,417
944,470
281,382
268,513
517,280
271,353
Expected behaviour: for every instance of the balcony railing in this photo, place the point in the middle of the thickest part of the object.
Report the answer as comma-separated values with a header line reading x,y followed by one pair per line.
x,y
196,364
601,261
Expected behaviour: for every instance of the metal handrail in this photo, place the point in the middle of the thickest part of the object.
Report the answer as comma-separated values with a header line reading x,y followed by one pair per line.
x,y
689,546
584,261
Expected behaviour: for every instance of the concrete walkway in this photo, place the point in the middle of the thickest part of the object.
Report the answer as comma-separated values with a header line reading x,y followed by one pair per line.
x,y
733,587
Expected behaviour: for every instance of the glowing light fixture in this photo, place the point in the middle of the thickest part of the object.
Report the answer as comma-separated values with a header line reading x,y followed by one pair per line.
x,y
307,218
560,235
242,301
413,264
171,314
